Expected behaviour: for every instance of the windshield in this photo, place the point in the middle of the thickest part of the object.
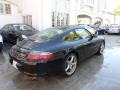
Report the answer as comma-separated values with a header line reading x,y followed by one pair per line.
x,y
22,27
46,34
90,29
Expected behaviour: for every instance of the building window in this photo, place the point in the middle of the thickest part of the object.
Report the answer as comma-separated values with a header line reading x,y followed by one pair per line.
x,y
27,19
60,19
7,8
53,19
89,2
1,8
67,19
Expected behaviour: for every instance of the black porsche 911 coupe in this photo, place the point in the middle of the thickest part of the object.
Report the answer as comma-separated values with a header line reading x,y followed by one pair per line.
x,y
57,49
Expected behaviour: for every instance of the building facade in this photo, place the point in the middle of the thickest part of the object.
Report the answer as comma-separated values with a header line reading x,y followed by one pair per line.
x,y
46,13
91,11
49,13
9,12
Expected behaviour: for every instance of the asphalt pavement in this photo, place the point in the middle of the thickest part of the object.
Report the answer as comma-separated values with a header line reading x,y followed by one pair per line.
x,y
96,73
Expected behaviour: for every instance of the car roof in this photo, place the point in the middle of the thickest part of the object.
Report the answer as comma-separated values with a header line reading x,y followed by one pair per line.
x,y
17,24
68,28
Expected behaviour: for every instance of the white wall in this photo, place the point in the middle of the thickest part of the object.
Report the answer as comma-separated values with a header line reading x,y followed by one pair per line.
x,y
73,15
41,12
32,7
46,12
15,17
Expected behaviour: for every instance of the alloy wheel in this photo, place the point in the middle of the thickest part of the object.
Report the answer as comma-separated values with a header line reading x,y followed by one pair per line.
x,y
102,48
70,64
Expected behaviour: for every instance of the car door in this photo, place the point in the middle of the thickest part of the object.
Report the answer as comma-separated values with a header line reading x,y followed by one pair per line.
x,y
74,42
88,43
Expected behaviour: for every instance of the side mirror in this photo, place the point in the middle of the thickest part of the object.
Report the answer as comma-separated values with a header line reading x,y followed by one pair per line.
x,y
95,35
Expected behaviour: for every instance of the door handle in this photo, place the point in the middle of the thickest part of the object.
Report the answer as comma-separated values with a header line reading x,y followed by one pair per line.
x,y
86,43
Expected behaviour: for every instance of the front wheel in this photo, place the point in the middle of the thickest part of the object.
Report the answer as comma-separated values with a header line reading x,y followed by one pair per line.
x,y
70,64
18,40
101,49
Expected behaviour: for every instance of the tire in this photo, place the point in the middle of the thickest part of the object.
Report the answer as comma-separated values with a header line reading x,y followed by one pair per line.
x,y
17,40
70,64
101,49
106,33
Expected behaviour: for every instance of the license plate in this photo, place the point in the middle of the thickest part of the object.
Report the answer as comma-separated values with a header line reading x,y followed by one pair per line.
x,y
14,64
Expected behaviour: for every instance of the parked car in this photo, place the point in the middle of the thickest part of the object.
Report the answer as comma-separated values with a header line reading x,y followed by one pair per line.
x,y
57,49
100,30
1,42
16,32
114,29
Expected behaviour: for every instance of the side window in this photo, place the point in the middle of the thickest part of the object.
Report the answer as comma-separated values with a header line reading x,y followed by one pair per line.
x,y
26,27
82,33
71,36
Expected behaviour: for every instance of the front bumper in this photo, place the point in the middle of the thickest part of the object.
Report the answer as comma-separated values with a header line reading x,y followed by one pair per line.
x,y
39,68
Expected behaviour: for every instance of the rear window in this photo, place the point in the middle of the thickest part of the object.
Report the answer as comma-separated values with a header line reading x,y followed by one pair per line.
x,y
47,34
22,27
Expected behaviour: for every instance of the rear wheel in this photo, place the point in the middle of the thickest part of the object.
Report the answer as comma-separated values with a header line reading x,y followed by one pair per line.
x,y
70,64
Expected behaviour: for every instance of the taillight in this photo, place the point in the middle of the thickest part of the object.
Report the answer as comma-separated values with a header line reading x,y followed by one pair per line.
x,y
40,56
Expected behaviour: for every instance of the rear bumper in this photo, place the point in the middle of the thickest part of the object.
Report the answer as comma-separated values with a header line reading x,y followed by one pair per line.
x,y
39,68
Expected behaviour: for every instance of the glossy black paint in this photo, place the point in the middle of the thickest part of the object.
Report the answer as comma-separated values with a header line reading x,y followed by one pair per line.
x,y
11,35
83,48
1,46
